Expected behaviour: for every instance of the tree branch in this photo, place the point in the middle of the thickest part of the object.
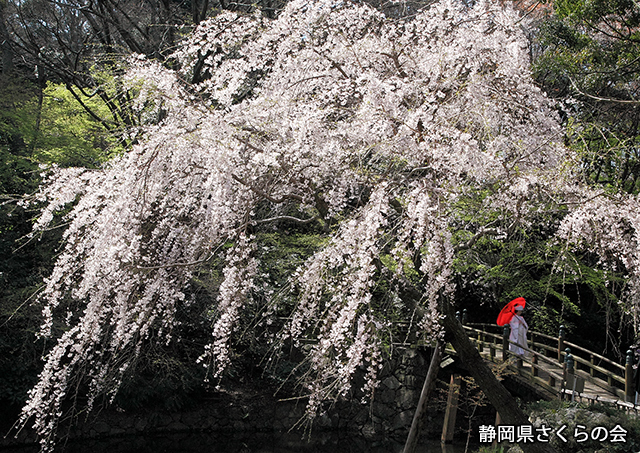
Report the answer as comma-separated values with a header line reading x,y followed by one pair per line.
x,y
601,99
394,57
287,217
467,245
87,108
264,194
334,64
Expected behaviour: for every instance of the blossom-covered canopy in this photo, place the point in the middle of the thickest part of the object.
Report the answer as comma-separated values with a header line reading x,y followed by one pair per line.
x,y
407,140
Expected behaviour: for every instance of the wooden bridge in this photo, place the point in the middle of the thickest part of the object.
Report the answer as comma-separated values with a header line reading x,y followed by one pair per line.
x,y
554,367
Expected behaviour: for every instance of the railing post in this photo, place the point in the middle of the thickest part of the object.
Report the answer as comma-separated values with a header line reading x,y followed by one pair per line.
x,y
565,371
534,364
629,391
592,359
563,383
570,377
570,363
480,342
505,341
552,381
560,343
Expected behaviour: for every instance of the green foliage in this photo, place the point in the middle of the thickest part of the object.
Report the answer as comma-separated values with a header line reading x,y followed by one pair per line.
x,y
279,256
560,288
508,261
513,260
68,135
546,320
590,60
18,174
283,254
391,264
48,127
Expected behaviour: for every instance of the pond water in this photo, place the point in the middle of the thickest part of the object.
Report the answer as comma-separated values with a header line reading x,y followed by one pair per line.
x,y
331,442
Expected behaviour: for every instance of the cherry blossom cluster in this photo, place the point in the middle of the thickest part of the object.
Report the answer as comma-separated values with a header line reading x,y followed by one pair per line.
x,y
234,290
608,226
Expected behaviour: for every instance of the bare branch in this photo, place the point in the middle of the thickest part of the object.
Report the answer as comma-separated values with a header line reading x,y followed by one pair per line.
x,y
483,232
394,57
334,64
287,217
248,144
307,79
265,195
598,98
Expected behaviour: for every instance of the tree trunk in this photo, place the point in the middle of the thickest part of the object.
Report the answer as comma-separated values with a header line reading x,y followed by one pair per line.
x,y
429,381
5,45
499,396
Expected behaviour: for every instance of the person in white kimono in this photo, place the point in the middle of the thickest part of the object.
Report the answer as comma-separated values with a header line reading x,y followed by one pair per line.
x,y
519,328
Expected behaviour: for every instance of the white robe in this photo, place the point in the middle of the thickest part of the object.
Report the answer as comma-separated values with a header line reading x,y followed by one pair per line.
x,y
519,328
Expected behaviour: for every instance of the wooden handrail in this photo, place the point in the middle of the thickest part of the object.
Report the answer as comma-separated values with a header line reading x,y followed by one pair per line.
x,y
544,335
595,355
573,346
616,375
550,351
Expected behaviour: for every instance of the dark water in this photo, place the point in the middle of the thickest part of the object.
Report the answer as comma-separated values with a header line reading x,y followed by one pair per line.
x,y
242,443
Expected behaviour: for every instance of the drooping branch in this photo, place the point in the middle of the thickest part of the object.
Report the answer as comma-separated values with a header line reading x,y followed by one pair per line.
x,y
287,217
334,64
396,61
471,242
264,194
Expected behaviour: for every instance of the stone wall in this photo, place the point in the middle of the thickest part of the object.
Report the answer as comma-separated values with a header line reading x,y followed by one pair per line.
x,y
397,396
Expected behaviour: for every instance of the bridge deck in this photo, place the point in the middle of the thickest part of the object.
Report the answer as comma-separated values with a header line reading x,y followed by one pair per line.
x,y
593,377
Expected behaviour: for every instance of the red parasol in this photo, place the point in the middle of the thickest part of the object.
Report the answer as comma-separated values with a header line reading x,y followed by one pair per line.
x,y
509,310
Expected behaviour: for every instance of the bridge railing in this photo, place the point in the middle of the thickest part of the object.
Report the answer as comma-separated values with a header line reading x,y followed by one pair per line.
x,y
544,349
540,356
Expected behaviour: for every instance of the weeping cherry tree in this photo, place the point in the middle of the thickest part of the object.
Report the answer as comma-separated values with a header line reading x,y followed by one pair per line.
x,y
404,141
